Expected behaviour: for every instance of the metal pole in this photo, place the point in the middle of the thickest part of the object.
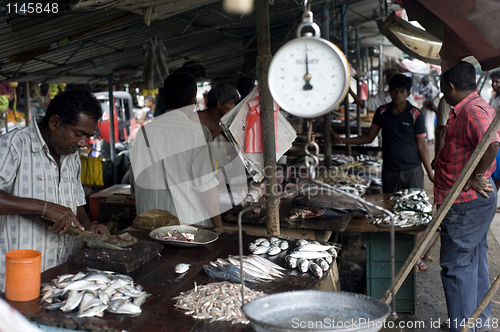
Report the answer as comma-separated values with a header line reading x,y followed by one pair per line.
x,y
27,106
267,114
347,120
380,69
112,127
325,33
358,84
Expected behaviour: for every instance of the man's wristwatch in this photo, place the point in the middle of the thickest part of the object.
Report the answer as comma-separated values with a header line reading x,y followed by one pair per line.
x,y
479,175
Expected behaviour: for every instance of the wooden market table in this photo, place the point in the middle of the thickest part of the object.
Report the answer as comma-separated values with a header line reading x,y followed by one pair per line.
x,y
158,279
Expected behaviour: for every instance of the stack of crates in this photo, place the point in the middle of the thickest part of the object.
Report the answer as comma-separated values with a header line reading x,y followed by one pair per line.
x,y
378,268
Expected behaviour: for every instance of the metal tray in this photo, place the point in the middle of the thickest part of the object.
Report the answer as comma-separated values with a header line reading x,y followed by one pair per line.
x,y
326,311
201,236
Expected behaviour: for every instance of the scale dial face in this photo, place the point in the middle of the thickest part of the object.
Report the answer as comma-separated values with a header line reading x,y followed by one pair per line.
x,y
309,77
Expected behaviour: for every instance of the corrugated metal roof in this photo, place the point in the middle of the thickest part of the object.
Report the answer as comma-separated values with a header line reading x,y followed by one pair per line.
x,y
110,40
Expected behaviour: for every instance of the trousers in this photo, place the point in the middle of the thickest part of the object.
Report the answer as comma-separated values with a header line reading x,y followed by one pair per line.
x,y
464,260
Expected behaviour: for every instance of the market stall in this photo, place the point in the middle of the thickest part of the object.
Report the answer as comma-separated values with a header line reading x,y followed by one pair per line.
x,y
158,278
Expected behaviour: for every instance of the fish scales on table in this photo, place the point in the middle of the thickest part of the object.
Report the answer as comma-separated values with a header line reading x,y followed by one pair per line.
x,y
216,301
94,293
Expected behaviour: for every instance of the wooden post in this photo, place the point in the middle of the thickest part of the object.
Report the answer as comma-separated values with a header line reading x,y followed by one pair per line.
x,y
267,114
27,106
347,119
112,127
325,33
445,206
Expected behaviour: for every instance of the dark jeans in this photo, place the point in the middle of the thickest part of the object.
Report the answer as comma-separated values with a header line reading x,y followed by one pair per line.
x,y
464,259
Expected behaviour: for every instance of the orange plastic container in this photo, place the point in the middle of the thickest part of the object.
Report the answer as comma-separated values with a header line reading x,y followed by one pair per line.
x,y
22,274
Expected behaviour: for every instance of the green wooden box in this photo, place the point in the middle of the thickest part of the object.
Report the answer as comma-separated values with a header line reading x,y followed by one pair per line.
x,y
378,268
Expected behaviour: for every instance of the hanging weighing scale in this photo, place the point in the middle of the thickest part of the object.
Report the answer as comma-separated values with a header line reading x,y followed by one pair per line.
x,y
309,76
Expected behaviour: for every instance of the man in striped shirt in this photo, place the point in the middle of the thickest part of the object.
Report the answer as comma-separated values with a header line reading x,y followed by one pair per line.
x,y
464,230
40,175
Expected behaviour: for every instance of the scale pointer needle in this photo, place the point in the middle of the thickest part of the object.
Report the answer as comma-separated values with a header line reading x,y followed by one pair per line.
x,y
307,76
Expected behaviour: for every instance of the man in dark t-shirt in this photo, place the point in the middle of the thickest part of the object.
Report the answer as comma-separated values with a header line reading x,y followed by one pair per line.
x,y
403,135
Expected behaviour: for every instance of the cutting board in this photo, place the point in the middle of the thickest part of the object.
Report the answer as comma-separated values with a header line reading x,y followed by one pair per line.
x,y
122,261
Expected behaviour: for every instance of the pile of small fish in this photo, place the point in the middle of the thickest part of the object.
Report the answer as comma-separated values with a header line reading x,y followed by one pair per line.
x,y
216,301
312,256
411,200
336,175
255,268
94,292
175,235
271,246
411,208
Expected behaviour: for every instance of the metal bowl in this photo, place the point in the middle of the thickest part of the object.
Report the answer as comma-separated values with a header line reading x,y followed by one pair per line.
x,y
201,236
316,310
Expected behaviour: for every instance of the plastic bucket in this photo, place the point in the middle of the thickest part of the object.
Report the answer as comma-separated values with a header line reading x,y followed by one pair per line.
x,y
22,274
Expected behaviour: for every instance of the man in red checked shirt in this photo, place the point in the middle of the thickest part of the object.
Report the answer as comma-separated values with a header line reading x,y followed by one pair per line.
x,y
464,246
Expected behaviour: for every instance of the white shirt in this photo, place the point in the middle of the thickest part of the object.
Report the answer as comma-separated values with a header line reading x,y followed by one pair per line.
x,y
495,102
28,170
382,98
178,154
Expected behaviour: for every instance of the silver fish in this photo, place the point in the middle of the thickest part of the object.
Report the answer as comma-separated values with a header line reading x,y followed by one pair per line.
x,y
309,254
329,259
140,300
268,263
77,285
302,242
261,250
128,308
314,247
274,239
78,276
252,246
87,298
291,262
73,300
104,297
94,311
316,270
99,278
283,244
273,250
64,277
322,264
181,268
259,240
303,265
93,303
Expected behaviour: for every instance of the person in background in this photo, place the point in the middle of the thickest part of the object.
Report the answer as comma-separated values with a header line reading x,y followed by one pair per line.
x,y
495,103
430,93
172,162
245,85
464,229
40,176
220,99
382,98
404,145
442,113
149,102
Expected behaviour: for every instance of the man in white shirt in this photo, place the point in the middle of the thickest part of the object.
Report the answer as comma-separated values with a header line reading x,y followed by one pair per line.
x,y
172,162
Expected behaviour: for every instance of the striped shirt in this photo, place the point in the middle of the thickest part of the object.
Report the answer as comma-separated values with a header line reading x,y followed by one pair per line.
x,y
467,123
28,170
